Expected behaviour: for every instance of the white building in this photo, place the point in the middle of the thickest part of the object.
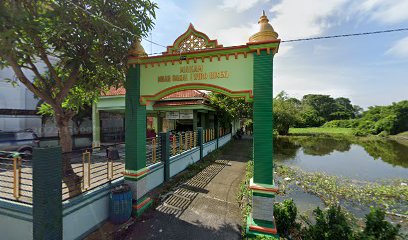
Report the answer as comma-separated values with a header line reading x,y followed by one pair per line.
x,y
17,100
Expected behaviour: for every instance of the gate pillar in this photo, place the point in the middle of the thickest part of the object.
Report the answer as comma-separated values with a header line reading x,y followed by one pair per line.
x,y
135,138
261,220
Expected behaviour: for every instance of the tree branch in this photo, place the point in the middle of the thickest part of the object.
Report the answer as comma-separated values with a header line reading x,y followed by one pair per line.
x,y
44,57
34,69
48,88
23,79
72,78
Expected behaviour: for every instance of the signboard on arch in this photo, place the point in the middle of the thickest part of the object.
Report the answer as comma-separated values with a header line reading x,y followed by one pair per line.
x,y
231,76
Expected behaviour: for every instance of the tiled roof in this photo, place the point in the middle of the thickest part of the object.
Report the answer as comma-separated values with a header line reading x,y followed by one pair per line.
x,y
178,103
115,91
182,94
186,94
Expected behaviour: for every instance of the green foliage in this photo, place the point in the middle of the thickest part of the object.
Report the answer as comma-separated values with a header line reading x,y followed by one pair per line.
x,y
332,189
313,111
347,123
285,113
390,119
229,109
82,54
285,214
310,118
324,105
377,228
331,224
321,131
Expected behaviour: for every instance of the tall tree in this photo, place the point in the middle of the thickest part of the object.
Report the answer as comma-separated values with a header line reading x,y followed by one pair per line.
x,y
82,44
286,113
324,105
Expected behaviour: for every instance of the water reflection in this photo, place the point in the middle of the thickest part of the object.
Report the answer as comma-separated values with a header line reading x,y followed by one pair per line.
x,y
356,158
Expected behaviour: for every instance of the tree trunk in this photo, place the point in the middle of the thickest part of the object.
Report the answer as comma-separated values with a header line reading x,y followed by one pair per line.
x,y
71,179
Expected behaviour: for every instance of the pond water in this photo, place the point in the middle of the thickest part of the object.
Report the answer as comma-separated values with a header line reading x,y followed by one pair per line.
x,y
356,159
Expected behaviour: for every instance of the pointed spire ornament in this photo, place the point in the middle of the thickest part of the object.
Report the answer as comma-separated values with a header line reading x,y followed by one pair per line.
x,y
266,31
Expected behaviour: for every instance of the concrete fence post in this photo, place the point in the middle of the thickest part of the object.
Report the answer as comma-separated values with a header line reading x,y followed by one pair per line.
x,y
165,153
217,133
200,140
47,193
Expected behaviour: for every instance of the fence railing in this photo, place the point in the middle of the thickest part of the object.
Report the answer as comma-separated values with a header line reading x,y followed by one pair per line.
x,y
224,131
15,178
153,150
208,135
183,141
91,168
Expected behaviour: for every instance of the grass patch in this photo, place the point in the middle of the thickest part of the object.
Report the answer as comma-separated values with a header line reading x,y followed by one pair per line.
x,y
320,130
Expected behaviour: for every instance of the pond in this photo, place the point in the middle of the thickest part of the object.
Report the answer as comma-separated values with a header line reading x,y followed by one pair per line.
x,y
360,159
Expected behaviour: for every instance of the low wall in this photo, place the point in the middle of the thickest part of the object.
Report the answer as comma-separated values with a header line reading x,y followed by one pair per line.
x,y
16,220
209,147
86,212
180,162
223,140
155,175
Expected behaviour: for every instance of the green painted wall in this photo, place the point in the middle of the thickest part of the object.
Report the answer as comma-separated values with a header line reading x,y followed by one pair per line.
x,y
111,103
135,135
263,129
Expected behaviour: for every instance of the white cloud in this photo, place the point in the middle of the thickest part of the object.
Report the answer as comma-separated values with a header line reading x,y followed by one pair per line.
x,y
235,35
284,48
240,5
298,19
400,48
386,11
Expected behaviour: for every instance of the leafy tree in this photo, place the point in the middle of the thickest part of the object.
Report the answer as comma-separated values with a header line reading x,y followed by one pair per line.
x,y
324,105
285,215
330,225
344,109
82,53
229,108
390,119
318,109
377,228
285,113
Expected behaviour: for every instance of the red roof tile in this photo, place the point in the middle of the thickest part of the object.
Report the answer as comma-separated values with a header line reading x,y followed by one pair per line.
x,y
182,94
178,103
115,92
186,94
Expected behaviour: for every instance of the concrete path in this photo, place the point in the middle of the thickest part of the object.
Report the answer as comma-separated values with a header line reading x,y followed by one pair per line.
x,y
205,207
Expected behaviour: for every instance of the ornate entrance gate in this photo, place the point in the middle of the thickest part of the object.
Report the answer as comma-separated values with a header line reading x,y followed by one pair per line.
x,y
196,62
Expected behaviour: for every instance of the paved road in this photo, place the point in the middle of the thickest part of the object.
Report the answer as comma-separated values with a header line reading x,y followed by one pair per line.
x,y
205,207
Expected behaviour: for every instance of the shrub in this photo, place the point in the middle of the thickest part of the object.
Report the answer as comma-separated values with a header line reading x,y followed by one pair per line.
x,y
351,123
391,119
377,228
330,225
285,216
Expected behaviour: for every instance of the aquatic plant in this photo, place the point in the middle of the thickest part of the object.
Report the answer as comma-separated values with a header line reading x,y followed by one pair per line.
x,y
390,195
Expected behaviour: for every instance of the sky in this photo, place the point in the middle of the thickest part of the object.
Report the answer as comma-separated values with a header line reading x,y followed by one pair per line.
x,y
370,70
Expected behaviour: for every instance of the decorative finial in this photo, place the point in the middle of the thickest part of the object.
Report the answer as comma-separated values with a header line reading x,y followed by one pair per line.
x,y
266,31
137,49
